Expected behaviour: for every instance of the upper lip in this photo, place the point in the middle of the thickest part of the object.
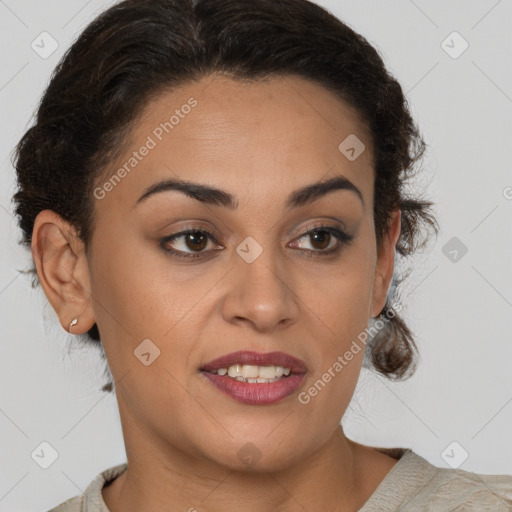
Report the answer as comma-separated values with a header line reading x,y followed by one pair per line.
x,y
257,359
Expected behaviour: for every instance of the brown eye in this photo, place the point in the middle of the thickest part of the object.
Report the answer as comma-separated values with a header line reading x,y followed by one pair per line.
x,y
188,244
193,243
196,241
321,238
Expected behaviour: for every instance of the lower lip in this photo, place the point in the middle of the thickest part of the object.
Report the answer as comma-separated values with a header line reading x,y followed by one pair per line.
x,y
261,393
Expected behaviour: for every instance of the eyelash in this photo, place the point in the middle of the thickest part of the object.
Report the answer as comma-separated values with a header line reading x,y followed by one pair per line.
x,y
344,239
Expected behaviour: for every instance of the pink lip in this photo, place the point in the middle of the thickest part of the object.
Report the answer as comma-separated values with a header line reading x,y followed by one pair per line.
x,y
256,394
257,359
261,393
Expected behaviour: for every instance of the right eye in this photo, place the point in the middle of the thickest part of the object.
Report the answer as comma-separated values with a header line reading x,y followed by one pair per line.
x,y
194,239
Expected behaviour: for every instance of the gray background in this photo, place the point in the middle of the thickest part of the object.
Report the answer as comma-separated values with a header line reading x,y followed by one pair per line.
x,y
460,310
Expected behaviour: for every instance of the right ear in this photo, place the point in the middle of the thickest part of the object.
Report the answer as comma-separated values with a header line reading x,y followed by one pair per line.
x,y
63,271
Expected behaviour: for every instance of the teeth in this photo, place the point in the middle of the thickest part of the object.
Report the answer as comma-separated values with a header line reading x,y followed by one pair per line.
x,y
235,371
267,372
254,374
249,372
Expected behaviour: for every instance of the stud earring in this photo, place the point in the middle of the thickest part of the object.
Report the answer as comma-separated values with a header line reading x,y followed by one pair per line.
x,y
72,323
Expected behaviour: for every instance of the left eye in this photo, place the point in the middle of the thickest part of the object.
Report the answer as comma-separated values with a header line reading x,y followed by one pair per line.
x,y
194,241
321,238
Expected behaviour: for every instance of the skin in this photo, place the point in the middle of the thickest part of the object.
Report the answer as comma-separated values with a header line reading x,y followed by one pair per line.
x,y
258,141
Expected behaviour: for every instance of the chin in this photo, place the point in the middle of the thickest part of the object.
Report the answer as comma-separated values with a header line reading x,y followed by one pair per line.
x,y
257,456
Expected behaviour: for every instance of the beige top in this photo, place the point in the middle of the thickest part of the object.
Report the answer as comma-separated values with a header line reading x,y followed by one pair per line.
x,y
413,484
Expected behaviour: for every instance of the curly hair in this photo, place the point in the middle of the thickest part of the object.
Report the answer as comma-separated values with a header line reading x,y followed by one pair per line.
x,y
137,48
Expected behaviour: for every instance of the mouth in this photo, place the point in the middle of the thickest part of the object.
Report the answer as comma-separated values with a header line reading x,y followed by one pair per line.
x,y
256,378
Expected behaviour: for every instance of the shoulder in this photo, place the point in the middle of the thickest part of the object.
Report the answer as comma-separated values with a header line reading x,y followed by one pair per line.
x,y
92,500
459,490
415,484
71,505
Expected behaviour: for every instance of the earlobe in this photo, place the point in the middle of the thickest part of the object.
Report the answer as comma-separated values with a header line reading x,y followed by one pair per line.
x,y
385,264
62,269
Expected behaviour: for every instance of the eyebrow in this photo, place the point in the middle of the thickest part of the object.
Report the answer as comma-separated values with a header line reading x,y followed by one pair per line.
x,y
214,196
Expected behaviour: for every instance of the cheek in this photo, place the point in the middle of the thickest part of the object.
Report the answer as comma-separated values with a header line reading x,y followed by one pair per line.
x,y
344,322
124,280
140,295
339,354
341,307
342,298
124,292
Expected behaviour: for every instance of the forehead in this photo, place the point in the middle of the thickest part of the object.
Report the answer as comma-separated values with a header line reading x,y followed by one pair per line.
x,y
251,138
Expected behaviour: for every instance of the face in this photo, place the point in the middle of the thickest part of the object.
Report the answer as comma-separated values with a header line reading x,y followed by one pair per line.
x,y
275,271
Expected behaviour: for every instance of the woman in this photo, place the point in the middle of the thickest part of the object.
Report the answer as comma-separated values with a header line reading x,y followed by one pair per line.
x,y
214,192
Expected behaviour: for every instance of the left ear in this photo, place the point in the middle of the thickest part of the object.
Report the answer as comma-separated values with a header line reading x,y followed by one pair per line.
x,y
385,264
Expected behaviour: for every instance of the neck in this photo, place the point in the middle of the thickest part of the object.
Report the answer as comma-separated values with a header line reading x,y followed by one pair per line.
x,y
164,478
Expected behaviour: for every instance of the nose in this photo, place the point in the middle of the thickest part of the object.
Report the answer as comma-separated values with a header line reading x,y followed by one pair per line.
x,y
260,293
